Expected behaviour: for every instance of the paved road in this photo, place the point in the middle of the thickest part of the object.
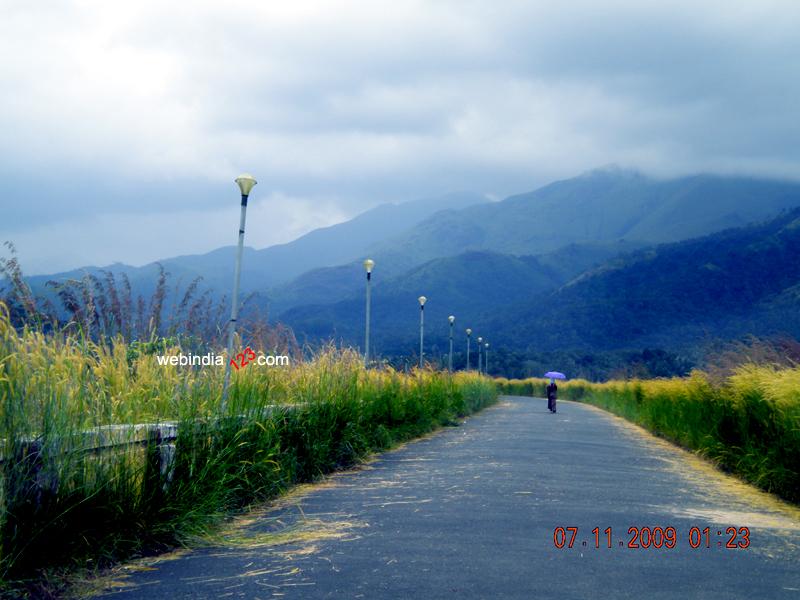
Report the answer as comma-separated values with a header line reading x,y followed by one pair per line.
x,y
470,512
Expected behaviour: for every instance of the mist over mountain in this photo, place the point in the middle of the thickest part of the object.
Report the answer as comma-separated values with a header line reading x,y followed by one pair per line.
x,y
348,241
598,206
262,269
579,221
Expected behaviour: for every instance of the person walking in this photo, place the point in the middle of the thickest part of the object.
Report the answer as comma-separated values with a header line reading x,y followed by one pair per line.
x,y
552,394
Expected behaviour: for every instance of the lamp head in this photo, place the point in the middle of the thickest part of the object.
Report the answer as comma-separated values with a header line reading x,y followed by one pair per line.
x,y
469,331
487,345
452,319
480,339
368,264
422,300
246,183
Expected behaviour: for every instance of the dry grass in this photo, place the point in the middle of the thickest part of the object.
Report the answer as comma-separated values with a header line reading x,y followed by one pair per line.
x,y
67,506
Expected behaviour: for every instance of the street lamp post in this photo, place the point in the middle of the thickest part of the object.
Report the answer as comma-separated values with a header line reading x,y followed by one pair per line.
x,y
368,264
452,320
422,301
486,359
480,343
469,335
246,183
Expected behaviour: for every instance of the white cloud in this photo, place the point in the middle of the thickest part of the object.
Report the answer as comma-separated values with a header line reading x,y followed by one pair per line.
x,y
359,102
138,239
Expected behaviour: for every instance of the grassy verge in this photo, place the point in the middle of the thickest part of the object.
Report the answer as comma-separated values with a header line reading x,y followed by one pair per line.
x,y
747,423
65,506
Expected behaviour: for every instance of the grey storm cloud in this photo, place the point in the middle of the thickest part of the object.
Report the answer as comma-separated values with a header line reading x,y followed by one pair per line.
x,y
117,116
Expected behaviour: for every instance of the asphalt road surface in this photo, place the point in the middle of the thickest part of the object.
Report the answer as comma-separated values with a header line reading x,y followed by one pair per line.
x,y
471,511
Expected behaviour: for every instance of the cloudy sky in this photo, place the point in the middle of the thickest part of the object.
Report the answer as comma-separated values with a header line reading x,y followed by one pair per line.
x,y
123,125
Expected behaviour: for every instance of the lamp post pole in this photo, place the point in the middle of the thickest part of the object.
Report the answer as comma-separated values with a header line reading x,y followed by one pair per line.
x,y
480,343
368,264
469,335
422,300
452,320
486,359
246,183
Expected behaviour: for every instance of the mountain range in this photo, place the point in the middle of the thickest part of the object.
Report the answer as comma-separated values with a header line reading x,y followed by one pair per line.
x,y
598,215
608,219
674,296
729,284
596,263
276,265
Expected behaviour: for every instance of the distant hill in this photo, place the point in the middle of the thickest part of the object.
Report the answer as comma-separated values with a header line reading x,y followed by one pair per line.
x,y
346,241
673,296
570,225
262,269
333,284
599,206
726,285
574,259
466,286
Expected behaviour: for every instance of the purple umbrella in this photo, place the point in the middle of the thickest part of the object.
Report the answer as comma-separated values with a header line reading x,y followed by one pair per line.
x,y
555,375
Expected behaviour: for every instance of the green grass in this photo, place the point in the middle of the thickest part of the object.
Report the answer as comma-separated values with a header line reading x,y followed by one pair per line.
x,y
64,507
747,423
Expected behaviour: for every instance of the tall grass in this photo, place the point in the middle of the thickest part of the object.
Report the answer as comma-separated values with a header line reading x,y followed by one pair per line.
x,y
103,308
63,503
748,422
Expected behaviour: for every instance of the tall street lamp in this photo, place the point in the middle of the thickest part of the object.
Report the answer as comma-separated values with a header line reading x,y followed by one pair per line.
x,y
486,359
422,301
480,343
368,264
246,183
452,320
469,335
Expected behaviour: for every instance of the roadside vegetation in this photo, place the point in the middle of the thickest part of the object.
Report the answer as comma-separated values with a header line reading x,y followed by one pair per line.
x,y
746,420
67,505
